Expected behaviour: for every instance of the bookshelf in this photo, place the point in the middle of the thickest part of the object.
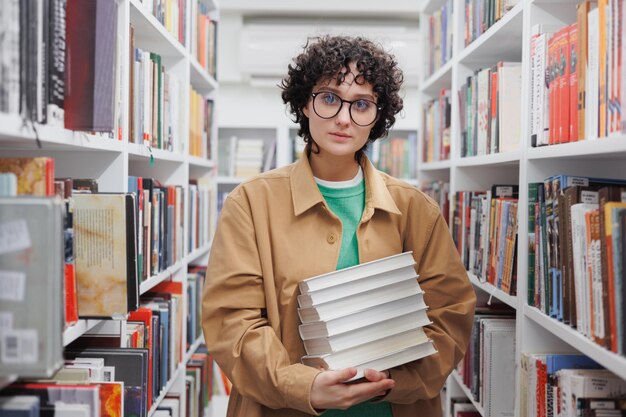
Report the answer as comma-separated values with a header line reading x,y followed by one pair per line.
x,y
111,161
508,40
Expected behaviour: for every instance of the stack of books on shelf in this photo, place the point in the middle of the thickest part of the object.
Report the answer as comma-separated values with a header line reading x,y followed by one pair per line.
x,y
370,316
577,91
440,192
395,155
566,385
440,35
490,110
484,228
436,122
49,58
488,367
577,241
480,15
204,38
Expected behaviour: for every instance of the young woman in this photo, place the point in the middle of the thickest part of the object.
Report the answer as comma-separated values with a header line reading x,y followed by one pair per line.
x,y
330,210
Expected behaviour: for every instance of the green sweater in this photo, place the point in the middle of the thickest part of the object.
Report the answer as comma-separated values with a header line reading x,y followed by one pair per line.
x,y
348,204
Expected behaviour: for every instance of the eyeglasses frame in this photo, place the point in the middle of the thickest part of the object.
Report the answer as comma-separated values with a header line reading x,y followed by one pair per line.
x,y
350,102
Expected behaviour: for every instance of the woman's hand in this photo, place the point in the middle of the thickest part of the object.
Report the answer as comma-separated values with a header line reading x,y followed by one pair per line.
x,y
330,389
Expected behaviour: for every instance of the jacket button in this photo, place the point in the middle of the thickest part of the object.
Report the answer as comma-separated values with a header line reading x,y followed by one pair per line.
x,y
331,238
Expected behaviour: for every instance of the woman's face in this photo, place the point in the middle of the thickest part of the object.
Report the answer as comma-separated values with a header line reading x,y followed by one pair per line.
x,y
340,135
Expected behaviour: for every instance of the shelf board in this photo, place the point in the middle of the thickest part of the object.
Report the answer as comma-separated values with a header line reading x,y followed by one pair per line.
x,y
198,162
434,166
137,152
508,299
441,78
501,42
230,180
201,251
200,78
77,330
154,280
151,35
613,146
611,361
17,134
503,158
467,392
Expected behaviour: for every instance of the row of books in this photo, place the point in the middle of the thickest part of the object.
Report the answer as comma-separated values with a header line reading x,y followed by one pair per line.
x,y
155,100
440,192
564,385
367,316
200,125
246,157
490,110
395,155
484,229
204,38
480,15
172,14
436,122
576,73
488,367
440,35
202,213
195,281
576,253
50,53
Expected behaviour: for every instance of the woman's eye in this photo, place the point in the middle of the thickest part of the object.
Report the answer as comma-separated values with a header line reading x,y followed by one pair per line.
x,y
362,105
329,98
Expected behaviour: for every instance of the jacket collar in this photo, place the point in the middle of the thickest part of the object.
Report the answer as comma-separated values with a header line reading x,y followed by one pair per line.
x,y
305,193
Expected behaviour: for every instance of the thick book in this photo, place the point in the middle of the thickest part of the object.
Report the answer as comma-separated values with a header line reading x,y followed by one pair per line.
x,y
365,283
90,65
106,257
390,360
357,302
360,336
363,318
357,272
31,255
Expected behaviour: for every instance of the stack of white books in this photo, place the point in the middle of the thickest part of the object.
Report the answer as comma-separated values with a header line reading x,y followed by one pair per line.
x,y
369,316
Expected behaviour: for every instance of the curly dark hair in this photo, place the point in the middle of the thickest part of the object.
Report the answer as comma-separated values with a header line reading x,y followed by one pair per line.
x,y
329,57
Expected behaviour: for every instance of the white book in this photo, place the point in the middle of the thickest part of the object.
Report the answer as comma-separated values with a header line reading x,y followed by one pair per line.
x,y
356,272
380,364
367,283
362,318
509,106
498,367
367,299
588,383
367,334
370,351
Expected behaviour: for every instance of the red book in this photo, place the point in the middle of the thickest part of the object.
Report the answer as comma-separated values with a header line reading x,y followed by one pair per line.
x,y
551,75
145,315
562,65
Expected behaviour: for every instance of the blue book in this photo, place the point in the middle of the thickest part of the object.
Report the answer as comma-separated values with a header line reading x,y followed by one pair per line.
x,y
556,362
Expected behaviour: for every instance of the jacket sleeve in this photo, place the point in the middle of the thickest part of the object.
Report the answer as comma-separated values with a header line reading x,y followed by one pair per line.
x,y
450,298
236,330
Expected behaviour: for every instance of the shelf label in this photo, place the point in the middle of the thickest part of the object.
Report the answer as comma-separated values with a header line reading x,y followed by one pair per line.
x,y
19,346
12,286
14,236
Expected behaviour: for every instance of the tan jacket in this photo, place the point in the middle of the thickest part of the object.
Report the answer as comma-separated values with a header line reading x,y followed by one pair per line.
x,y
276,230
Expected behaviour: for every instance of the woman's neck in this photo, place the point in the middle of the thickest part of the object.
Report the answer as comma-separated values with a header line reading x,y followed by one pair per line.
x,y
333,168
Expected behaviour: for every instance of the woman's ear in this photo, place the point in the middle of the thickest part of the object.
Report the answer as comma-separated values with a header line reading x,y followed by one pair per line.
x,y
305,111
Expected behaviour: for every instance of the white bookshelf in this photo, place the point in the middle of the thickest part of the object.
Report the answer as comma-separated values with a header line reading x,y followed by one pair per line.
x,y
111,160
508,40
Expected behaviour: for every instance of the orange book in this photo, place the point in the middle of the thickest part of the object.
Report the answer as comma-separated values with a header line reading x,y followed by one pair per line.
x,y
110,399
562,84
573,82
581,68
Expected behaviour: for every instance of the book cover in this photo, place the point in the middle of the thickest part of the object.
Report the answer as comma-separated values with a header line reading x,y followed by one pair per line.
x,y
35,176
106,257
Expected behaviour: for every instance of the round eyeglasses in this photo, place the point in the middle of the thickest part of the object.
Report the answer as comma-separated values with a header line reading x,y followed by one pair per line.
x,y
328,105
